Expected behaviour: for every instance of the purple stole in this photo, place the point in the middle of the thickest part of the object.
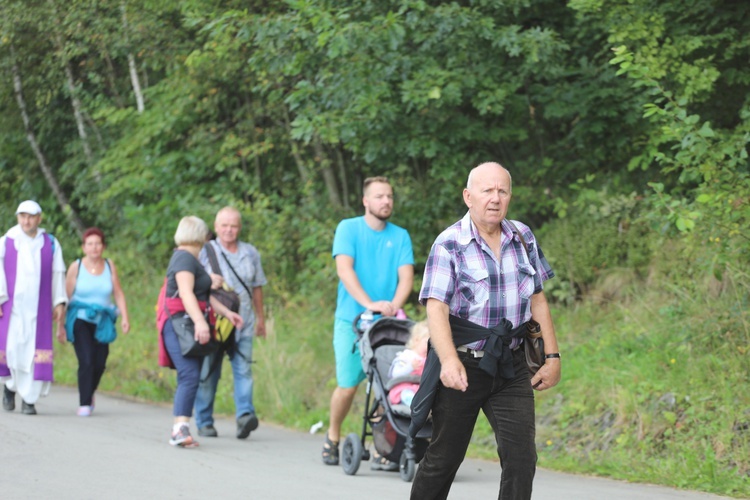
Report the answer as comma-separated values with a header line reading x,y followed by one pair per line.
x,y
43,353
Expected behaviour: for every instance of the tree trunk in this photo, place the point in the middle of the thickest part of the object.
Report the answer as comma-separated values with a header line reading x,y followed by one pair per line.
x,y
95,128
301,168
256,139
70,81
77,106
111,77
62,200
131,64
329,177
343,178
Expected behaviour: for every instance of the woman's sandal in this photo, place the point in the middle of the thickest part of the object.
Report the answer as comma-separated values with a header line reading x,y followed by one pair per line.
x,y
330,452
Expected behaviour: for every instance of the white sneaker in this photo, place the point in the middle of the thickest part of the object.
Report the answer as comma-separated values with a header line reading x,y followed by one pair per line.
x,y
183,438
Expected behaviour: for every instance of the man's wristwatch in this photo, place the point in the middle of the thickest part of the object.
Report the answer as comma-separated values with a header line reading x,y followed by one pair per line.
x,y
552,355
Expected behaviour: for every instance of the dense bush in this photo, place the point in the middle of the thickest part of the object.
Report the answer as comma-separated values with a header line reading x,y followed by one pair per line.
x,y
601,234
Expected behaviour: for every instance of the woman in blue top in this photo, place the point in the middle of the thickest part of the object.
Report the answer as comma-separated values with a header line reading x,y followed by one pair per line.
x,y
91,283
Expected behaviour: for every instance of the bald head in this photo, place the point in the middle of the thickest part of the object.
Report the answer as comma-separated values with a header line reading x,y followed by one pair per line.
x,y
484,167
227,227
228,211
488,196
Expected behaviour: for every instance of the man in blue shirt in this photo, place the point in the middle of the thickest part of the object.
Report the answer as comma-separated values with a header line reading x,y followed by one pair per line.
x,y
375,266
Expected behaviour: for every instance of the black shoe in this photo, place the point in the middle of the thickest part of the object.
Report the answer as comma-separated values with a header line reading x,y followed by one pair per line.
x,y
246,424
208,431
27,409
9,399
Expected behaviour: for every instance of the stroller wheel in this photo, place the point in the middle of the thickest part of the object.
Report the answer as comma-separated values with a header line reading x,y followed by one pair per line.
x,y
351,454
407,468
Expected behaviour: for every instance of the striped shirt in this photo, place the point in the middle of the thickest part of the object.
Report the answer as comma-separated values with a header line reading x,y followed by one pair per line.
x,y
463,272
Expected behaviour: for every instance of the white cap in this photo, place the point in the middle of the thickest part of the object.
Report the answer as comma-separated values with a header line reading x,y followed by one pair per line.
x,y
29,207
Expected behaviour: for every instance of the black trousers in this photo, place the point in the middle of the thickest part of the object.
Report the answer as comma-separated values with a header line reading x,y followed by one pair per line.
x,y
509,407
92,359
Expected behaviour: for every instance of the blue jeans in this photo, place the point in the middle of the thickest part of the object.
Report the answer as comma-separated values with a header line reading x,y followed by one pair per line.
x,y
242,372
188,373
509,407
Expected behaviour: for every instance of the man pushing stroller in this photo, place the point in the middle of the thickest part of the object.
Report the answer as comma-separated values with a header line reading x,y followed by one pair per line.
x,y
375,266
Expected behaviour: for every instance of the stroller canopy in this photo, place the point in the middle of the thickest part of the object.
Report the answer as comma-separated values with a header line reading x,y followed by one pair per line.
x,y
385,331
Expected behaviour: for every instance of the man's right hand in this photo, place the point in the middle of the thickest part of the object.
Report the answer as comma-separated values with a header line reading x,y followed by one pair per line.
x,y
453,374
383,307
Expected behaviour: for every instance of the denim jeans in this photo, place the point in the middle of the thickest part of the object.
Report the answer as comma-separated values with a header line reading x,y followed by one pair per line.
x,y
92,360
509,407
188,373
242,373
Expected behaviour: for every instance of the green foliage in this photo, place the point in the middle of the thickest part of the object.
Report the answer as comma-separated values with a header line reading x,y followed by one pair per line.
x,y
704,154
651,384
600,236
283,108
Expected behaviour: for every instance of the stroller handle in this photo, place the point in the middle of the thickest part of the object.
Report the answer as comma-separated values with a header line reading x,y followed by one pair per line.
x,y
355,324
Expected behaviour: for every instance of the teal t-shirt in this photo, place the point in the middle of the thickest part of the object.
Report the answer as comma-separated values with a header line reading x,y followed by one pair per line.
x,y
377,257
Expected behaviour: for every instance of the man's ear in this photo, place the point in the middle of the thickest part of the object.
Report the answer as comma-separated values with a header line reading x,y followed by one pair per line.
x,y
467,197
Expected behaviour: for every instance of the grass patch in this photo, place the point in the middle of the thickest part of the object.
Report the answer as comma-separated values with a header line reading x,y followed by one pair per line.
x,y
654,390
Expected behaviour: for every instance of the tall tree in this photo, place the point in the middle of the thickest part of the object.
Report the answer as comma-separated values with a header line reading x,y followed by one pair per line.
x,y
62,198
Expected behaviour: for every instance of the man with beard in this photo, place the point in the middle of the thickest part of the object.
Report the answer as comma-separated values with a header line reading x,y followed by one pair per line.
x,y
375,266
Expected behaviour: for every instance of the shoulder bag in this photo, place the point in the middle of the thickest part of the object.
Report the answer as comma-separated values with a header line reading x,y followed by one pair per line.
x,y
184,329
533,343
225,295
231,300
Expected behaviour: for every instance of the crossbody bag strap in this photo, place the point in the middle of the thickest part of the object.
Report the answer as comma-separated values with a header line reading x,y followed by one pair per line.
x,y
534,331
237,275
211,253
520,237
78,273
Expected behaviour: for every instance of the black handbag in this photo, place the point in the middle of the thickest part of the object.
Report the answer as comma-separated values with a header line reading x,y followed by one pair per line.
x,y
184,328
228,297
533,346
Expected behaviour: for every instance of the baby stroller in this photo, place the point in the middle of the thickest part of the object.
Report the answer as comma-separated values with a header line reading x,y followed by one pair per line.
x,y
388,424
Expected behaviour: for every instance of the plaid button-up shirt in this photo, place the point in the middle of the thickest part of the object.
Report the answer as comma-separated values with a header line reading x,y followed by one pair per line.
x,y
463,272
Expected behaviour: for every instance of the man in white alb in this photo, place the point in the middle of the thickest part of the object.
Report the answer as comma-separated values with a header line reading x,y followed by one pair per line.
x,y
32,297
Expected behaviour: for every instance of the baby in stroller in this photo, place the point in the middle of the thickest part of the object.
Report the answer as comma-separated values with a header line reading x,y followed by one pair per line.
x,y
408,362
387,423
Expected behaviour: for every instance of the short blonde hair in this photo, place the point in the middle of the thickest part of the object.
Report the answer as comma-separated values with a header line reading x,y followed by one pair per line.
x,y
372,180
418,332
191,230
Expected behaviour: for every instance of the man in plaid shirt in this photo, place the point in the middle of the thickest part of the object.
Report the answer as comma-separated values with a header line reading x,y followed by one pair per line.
x,y
483,275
